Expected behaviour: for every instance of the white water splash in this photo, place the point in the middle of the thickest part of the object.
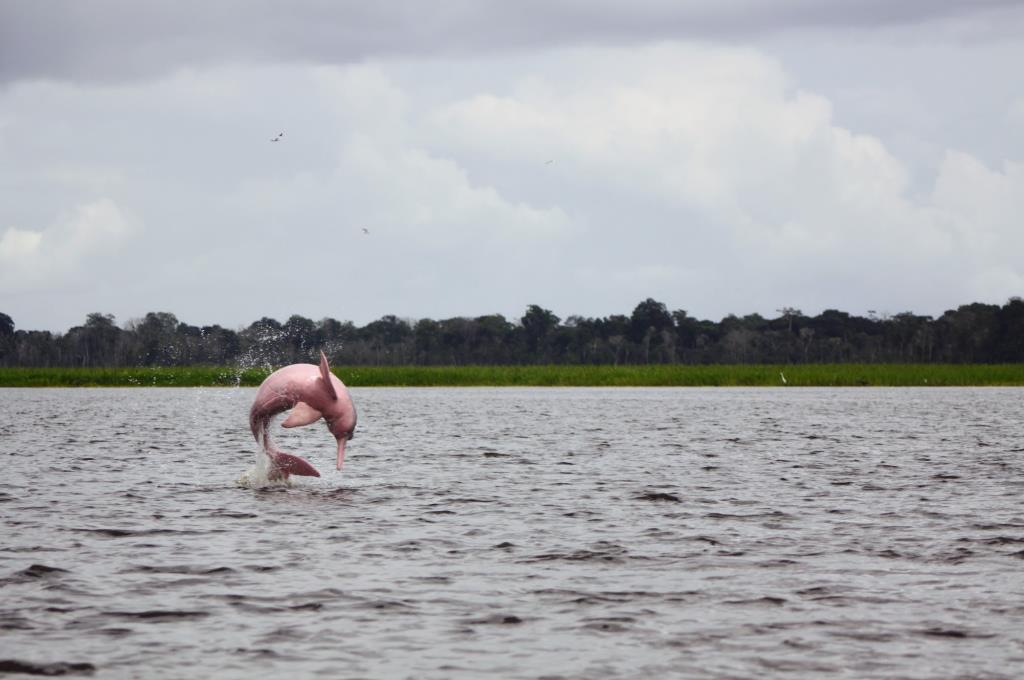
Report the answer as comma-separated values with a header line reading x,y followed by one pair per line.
x,y
258,476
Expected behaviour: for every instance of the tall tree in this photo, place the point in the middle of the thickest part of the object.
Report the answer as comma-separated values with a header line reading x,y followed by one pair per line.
x,y
390,339
263,344
96,343
156,334
648,328
302,337
1009,332
538,324
6,340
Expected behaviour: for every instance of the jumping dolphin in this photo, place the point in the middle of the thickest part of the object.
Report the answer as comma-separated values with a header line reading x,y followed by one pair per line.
x,y
311,392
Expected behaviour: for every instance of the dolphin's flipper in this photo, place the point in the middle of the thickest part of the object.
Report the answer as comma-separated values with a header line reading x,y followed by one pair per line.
x,y
302,414
293,465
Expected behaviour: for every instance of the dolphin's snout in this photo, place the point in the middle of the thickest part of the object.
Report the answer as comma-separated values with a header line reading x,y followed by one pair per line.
x,y
341,451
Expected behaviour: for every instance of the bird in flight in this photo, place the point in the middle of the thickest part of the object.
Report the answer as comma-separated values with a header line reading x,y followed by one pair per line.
x,y
277,138
365,230
545,162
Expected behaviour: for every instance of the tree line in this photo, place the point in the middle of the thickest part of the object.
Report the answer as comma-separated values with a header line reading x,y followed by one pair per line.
x,y
972,333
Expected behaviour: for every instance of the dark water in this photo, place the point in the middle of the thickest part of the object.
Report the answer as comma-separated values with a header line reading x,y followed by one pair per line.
x,y
519,533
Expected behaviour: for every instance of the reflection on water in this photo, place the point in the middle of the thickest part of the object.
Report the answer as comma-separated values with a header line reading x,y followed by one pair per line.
x,y
518,533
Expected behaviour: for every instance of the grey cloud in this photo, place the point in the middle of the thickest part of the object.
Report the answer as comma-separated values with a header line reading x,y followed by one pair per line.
x,y
126,39
184,205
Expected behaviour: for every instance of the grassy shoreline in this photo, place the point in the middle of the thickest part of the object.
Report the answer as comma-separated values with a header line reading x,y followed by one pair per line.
x,y
821,375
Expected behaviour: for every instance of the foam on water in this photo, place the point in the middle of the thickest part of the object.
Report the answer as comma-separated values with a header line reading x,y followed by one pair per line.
x,y
258,476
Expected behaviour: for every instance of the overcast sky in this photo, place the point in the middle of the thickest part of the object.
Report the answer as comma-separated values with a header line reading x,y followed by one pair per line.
x,y
469,157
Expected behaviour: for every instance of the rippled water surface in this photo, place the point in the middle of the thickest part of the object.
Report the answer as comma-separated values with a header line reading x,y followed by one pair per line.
x,y
518,533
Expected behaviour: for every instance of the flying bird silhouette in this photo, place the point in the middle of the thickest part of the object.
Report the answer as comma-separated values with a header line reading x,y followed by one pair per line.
x,y
278,137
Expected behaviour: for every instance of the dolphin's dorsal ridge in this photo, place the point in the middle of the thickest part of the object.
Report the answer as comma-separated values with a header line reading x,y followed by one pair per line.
x,y
325,374
302,414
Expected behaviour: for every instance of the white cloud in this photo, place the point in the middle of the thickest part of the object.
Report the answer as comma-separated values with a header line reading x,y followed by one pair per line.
x,y
55,254
705,177
724,135
385,179
982,207
1015,112
17,244
433,201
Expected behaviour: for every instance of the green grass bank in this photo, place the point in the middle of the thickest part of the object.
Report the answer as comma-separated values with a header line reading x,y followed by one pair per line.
x,y
840,375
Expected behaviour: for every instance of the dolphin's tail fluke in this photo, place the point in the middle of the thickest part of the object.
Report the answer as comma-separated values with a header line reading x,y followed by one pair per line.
x,y
293,465
282,464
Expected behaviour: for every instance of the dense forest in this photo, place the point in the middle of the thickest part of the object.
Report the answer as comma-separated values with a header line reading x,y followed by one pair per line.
x,y
973,333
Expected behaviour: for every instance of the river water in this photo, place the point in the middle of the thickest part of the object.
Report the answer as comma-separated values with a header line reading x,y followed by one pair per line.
x,y
518,533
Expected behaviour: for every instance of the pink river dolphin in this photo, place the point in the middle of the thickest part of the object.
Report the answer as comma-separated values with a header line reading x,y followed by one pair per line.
x,y
311,392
